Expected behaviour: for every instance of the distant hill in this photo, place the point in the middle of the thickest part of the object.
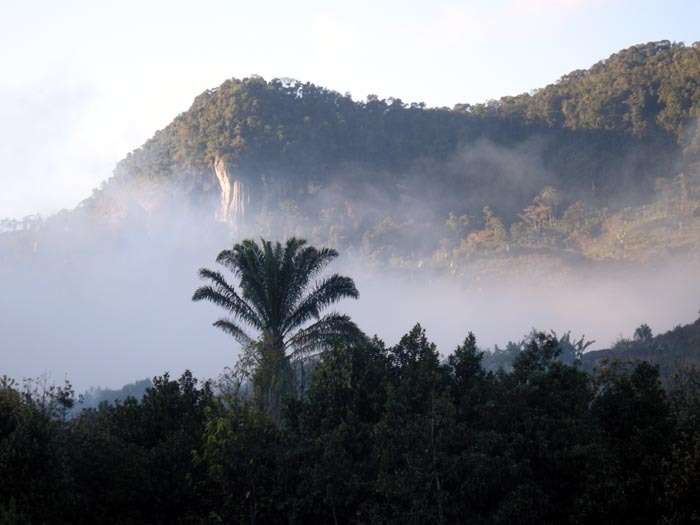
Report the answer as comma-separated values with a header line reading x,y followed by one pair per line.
x,y
602,165
673,350
93,397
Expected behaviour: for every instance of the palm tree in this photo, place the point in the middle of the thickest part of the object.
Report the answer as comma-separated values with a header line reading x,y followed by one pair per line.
x,y
278,300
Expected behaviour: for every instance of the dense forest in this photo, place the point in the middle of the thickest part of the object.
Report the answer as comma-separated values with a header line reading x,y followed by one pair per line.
x,y
378,435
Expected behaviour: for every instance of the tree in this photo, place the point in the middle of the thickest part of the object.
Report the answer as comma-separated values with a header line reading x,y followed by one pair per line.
x,y
35,481
411,436
643,333
242,453
335,424
637,427
278,300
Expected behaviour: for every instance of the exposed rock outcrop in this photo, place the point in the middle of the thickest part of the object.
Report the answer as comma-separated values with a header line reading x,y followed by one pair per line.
x,y
233,196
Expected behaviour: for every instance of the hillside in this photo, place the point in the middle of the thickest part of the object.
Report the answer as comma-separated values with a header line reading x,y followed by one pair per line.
x,y
674,350
601,166
601,138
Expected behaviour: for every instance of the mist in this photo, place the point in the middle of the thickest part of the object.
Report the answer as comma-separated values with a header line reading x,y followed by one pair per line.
x,y
602,306
101,295
104,306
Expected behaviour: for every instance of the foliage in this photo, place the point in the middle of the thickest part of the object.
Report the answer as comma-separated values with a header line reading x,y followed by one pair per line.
x,y
132,461
381,435
278,300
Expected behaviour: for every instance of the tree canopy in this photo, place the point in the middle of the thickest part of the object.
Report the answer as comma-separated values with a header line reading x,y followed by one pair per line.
x,y
279,300
382,435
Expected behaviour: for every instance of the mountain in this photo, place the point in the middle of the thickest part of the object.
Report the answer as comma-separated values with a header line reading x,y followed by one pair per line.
x,y
602,165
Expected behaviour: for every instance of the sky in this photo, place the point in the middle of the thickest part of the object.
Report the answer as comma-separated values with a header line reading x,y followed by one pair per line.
x,y
85,82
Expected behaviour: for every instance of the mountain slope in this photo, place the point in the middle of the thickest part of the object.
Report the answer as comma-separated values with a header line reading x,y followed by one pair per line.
x,y
602,165
599,134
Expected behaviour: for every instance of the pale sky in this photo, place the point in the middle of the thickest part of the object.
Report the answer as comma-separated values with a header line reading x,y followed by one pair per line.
x,y
84,82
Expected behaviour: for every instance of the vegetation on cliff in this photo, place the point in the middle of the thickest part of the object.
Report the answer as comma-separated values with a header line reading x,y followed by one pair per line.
x,y
602,165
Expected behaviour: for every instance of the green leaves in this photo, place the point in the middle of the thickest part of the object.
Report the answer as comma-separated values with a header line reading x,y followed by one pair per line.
x,y
277,299
397,435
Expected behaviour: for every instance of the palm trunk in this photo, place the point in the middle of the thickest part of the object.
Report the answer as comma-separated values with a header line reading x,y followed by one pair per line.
x,y
273,379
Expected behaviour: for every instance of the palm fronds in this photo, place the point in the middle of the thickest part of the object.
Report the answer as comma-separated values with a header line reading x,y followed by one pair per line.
x,y
276,296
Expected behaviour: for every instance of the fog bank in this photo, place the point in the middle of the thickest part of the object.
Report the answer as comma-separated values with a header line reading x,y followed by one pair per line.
x,y
120,310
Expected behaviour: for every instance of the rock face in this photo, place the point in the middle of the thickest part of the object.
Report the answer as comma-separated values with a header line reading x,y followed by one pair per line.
x,y
233,196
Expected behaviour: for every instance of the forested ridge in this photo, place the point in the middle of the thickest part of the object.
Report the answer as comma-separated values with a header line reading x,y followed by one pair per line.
x,y
649,91
600,166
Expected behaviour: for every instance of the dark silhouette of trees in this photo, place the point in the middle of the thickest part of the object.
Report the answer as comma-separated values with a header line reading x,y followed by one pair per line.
x,y
643,333
383,435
